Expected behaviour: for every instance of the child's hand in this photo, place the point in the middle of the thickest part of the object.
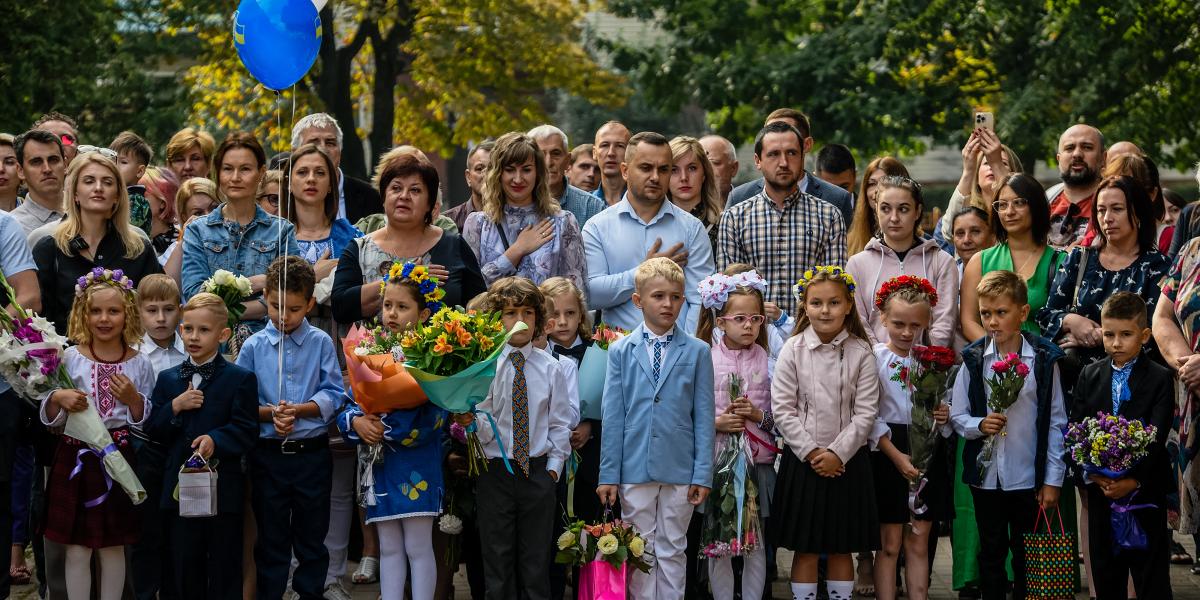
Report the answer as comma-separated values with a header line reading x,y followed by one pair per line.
x,y
992,424
122,388
1119,488
827,464
608,494
369,428
284,419
457,463
190,399
697,494
581,435
1047,497
730,423
204,446
941,414
70,400
772,310
743,408
904,465
464,419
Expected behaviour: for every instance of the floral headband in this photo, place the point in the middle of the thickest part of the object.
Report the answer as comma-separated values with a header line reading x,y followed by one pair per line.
x,y
97,276
902,282
833,273
419,274
714,289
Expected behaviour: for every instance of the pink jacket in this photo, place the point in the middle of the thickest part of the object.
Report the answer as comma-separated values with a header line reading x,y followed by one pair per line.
x,y
751,365
877,263
825,395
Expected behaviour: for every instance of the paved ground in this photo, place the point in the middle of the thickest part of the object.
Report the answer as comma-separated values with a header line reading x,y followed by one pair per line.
x,y
1186,586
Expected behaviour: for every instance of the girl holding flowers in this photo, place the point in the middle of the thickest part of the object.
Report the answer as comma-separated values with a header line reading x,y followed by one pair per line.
x,y
825,396
407,492
85,511
905,304
733,304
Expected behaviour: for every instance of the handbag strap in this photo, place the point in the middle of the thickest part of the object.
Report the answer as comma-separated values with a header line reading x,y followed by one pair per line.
x,y
1083,261
1044,515
503,236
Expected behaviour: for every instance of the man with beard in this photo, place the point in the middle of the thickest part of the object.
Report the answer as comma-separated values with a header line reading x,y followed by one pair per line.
x,y
1080,156
641,226
782,230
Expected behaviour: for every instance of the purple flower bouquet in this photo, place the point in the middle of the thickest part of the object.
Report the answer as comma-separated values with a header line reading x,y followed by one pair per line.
x,y
1108,445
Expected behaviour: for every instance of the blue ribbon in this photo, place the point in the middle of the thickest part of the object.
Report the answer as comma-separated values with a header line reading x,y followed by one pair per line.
x,y
108,482
496,434
739,485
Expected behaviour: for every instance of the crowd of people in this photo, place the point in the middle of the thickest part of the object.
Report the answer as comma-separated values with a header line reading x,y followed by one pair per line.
x,y
811,289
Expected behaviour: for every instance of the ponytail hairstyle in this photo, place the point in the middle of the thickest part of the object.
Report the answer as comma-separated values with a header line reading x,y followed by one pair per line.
x,y
913,290
853,324
715,291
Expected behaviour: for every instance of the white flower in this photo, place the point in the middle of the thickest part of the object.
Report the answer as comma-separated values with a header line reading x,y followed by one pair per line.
x,y
243,285
607,544
223,277
637,546
361,351
566,540
450,525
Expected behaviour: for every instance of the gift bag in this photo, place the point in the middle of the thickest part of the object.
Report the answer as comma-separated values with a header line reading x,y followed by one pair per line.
x,y
1049,562
599,580
197,490
1127,532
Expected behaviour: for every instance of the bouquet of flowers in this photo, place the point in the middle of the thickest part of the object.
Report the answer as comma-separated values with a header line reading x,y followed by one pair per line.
x,y
615,542
1006,383
233,289
1108,445
453,360
375,367
592,369
731,522
927,386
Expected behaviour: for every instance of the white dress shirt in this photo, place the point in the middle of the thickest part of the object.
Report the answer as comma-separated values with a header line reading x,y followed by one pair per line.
x,y
1012,465
662,355
895,403
162,358
549,402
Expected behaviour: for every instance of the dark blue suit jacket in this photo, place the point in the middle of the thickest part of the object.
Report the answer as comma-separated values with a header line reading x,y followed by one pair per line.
x,y
229,415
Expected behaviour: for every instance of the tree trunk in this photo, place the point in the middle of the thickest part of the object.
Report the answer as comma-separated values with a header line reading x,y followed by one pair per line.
x,y
333,86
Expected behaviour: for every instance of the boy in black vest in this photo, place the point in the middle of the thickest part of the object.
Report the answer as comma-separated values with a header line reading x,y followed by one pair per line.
x,y
1106,387
1027,469
208,406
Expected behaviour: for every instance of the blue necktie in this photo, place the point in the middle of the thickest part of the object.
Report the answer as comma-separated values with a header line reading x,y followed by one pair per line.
x,y
658,348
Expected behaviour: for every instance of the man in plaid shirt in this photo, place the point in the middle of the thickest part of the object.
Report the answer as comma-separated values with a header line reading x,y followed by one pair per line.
x,y
782,231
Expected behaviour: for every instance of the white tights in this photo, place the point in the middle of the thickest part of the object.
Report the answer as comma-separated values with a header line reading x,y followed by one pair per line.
x,y
754,576
406,546
79,572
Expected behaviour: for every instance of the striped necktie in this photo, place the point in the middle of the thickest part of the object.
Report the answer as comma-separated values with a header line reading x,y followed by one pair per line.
x,y
658,350
520,412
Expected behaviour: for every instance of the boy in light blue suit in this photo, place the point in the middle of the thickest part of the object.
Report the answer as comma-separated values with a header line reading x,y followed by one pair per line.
x,y
657,440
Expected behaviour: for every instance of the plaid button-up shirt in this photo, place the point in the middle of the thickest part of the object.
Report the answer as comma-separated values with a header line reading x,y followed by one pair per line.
x,y
782,244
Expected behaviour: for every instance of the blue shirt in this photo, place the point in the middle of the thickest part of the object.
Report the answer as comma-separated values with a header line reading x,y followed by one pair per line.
x,y
311,373
1120,384
213,243
580,203
15,257
616,241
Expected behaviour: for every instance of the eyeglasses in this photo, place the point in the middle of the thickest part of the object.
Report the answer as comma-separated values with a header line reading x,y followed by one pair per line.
x,y
105,152
272,199
1002,205
68,139
741,320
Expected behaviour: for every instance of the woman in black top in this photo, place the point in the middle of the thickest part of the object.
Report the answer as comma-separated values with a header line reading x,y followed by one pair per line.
x,y
95,233
408,183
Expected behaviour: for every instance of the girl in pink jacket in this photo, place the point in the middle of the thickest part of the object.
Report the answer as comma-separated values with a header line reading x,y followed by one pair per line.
x,y
825,396
733,304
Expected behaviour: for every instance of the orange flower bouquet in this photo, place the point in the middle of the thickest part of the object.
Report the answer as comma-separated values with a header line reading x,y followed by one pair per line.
x,y
378,379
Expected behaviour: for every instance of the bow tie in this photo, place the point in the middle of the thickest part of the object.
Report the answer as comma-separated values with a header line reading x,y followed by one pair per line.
x,y
188,368
575,352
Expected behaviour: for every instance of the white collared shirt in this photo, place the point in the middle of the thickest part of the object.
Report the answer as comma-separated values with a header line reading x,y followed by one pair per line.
x,y
196,378
549,404
665,346
162,358
1012,465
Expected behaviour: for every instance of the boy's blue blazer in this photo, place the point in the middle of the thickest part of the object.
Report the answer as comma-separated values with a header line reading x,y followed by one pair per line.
x,y
229,414
658,433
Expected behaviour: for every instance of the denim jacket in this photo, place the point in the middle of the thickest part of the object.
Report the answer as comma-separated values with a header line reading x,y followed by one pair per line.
x,y
209,244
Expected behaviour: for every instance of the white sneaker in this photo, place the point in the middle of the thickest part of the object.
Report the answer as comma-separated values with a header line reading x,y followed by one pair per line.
x,y
335,591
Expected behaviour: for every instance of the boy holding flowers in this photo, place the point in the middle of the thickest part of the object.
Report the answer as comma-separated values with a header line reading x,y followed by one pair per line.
x,y
1106,387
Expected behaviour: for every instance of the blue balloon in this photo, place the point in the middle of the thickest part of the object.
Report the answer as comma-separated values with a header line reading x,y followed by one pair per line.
x,y
277,40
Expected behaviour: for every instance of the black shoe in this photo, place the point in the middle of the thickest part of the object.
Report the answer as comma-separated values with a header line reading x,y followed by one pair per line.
x,y
969,593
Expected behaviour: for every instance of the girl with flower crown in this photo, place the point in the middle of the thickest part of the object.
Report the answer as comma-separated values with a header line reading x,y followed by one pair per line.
x,y
733,306
825,396
85,511
406,494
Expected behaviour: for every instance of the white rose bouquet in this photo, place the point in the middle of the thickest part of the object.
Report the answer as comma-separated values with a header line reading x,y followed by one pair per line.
x,y
232,289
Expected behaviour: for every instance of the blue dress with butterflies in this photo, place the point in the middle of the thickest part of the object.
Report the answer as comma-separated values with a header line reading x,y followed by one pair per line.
x,y
408,474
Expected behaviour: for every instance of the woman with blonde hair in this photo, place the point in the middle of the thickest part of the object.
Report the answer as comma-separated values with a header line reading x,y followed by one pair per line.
x,y
986,164
95,233
693,186
864,225
521,229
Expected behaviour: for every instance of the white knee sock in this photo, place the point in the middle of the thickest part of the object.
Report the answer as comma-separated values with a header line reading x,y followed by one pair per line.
x,y
720,578
804,591
112,572
754,574
418,545
78,564
840,590
393,562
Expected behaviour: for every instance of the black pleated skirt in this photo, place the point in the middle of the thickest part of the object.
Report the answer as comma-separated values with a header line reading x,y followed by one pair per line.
x,y
812,514
892,489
